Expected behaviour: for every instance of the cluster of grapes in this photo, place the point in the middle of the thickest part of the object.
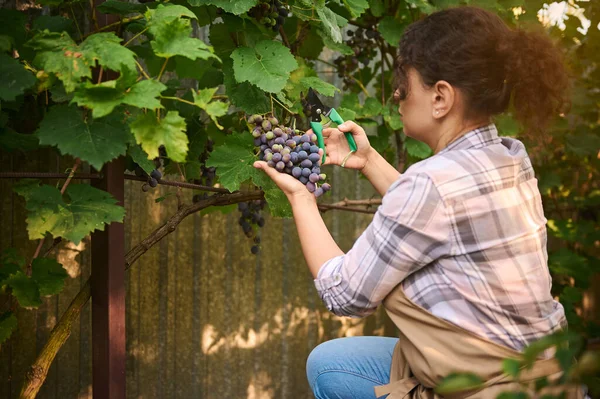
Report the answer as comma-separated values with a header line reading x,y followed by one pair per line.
x,y
289,151
270,13
153,178
251,214
208,174
364,45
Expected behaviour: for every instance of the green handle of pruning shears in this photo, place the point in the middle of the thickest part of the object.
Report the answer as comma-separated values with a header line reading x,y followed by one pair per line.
x,y
317,129
335,117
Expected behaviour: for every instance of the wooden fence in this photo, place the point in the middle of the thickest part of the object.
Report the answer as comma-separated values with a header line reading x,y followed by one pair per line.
x,y
205,317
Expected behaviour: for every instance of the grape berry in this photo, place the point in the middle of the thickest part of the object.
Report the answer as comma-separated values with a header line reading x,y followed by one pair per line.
x,y
153,178
289,151
270,13
364,44
208,174
251,215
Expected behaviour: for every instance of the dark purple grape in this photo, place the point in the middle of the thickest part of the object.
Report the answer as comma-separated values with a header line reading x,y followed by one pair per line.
x,y
145,187
277,157
314,149
303,179
280,166
279,141
257,238
254,249
242,205
306,147
319,191
305,139
311,186
264,148
313,177
306,172
278,132
257,142
153,182
307,163
271,164
314,158
285,136
297,139
316,170
286,158
326,187
302,155
261,222
296,172
294,157
263,138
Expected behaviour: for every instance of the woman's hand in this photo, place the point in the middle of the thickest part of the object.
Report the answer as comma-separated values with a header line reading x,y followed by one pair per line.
x,y
337,147
290,186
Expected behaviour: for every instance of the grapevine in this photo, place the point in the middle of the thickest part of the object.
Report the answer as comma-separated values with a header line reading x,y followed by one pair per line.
x,y
270,13
364,45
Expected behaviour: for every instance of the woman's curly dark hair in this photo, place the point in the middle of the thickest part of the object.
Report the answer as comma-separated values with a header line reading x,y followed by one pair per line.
x,y
475,51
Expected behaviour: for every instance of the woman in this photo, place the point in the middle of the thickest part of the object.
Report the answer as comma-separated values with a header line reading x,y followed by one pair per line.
x,y
457,250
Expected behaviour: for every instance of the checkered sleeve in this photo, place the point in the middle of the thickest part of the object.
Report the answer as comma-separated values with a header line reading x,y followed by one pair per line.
x,y
409,231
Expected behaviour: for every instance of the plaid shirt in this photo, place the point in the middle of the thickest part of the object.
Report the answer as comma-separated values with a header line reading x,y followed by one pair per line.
x,y
464,232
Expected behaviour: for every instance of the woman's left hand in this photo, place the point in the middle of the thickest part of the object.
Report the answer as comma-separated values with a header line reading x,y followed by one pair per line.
x,y
290,186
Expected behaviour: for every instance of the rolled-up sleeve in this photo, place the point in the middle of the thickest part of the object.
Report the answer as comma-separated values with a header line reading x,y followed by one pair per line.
x,y
409,230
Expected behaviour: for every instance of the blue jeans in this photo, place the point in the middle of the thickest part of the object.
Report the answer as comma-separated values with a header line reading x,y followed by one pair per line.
x,y
349,368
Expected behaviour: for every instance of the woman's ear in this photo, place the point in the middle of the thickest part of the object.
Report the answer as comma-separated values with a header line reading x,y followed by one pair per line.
x,y
443,99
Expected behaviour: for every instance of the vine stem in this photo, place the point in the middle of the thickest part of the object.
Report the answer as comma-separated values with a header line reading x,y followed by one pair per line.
x,y
62,191
178,99
113,25
281,104
162,70
135,37
142,70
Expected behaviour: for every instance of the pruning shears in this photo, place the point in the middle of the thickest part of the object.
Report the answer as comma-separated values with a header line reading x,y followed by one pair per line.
x,y
315,110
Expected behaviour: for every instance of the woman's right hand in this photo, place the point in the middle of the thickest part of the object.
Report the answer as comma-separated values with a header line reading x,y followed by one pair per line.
x,y
337,147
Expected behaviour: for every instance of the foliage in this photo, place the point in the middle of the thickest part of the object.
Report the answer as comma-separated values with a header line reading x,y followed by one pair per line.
x,y
151,90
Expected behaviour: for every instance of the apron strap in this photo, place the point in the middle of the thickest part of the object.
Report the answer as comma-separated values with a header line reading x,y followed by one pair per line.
x,y
399,389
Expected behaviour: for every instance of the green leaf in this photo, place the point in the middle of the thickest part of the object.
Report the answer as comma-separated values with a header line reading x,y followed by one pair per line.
x,y
329,20
140,157
513,395
319,85
120,7
94,141
15,78
458,382
356,7
7,269
392,116
377,8
279,205
236,7
511,367
391,30
49,275
221,39
268,65
12,141
104,97
233,161
167,12
12,24
8,323
11,255
57,53
245,96
169,131
25,290
417,149
85,210
56,23
371,108
214,109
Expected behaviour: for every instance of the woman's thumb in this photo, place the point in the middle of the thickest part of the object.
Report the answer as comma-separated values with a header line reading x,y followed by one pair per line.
x,y
350,126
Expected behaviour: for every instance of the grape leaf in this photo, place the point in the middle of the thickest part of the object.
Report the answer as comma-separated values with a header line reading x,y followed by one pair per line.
x,y
102,98
8,323
279,205
245,96
7,269
319,85
416,148
391,30
94,141
233,161
341,48
221,40
12,24
356,7
214,109
140,157
25,290
11,141
57,53
151,133
267,65
120,7
166,13
15,78
377,7
236,7
6,43
56,23
11,255
49,275
86,210
329,20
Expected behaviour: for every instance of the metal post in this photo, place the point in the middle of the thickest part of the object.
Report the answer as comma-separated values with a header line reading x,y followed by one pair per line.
x,y
108,295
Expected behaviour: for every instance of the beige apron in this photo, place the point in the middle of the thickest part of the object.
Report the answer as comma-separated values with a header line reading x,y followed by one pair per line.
x,y
431,348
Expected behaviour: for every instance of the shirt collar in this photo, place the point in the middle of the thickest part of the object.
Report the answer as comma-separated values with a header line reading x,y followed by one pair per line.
x,y
482,136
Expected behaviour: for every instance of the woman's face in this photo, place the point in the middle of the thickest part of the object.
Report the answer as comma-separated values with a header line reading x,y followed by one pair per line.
x,y
416,110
